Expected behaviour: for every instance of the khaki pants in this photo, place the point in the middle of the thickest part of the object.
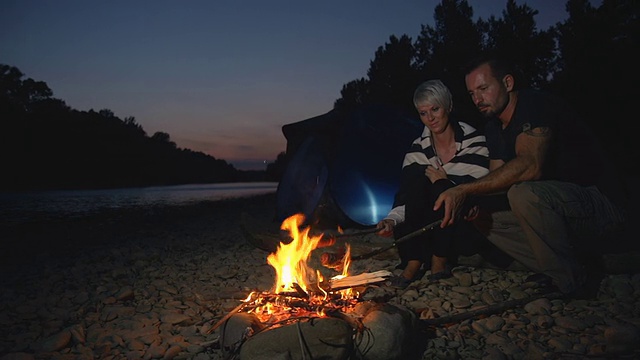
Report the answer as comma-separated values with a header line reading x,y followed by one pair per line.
x,y
548,223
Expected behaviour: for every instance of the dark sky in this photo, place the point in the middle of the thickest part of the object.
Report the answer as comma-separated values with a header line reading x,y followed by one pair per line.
x,y
220,77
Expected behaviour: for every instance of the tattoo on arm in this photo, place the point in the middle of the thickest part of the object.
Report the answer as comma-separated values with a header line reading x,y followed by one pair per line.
x,y
538,132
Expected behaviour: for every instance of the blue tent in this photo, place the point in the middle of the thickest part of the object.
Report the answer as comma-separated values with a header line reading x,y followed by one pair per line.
x,y
344,167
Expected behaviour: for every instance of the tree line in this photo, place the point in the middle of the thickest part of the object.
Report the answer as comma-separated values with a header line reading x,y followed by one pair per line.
x,y
588,59
45,144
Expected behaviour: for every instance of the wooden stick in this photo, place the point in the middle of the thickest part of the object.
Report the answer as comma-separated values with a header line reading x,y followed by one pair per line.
x,y
358,233
490,309
303,294
226,317
399,241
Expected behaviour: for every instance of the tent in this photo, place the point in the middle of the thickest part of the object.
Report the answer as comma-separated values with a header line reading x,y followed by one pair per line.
x,y
344,167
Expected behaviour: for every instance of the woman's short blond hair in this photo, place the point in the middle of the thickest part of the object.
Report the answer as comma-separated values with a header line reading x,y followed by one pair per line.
x,y
435,92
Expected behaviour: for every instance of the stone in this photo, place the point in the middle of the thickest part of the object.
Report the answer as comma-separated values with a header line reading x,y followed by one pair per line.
x,y
317,338
388,333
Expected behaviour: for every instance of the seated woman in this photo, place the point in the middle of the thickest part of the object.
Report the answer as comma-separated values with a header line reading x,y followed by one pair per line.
x,y
448,152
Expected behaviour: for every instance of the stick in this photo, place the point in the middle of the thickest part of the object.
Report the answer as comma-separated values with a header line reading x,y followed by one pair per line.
x,y
399,241
330,239
226,317
490,309
358,233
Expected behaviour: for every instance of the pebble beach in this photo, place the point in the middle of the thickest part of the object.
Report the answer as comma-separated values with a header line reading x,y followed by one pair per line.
x,y
151,283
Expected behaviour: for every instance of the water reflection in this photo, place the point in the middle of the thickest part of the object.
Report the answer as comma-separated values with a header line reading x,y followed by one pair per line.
x,y
18,207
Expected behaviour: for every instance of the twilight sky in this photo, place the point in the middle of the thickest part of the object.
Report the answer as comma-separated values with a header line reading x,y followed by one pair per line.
x,y
219,76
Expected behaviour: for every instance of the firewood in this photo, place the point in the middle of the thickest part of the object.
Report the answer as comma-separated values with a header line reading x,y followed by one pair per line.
x,y
362,279
226,317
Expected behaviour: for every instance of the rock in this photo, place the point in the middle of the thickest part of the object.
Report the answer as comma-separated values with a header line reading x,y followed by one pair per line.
x,y
56,342
622,339
176,318
323,338
124,294
238,328
388,334
18,356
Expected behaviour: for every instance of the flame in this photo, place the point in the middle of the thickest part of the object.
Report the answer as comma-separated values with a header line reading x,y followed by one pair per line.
x,y
346,261
297,292
290,260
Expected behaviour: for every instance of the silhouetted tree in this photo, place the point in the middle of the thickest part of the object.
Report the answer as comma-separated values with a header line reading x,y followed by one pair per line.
x,y
598,59
163,138
443,49
276,169
353,93
517,37
391,75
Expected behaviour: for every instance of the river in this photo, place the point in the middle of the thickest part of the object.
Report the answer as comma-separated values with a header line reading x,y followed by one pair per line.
x,y
24,206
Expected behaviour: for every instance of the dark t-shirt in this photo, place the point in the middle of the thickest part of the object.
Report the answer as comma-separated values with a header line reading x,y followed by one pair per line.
x,y
575,155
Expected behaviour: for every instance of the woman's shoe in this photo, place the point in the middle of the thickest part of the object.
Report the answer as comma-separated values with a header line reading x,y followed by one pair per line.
x,y
444,274
399,282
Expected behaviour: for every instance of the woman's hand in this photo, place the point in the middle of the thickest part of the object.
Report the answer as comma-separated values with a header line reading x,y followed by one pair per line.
x,y
435,173
385,227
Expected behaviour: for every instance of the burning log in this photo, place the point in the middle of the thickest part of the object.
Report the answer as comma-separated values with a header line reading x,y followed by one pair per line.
x,y
303,294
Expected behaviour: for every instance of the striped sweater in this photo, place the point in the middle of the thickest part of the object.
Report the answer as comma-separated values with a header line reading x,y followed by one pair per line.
x,y
470,162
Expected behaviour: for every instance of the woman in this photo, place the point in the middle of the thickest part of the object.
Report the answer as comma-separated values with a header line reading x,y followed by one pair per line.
x,y
448,153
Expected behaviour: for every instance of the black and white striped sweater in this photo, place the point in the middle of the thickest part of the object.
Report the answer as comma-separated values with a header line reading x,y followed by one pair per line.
x,y
470,162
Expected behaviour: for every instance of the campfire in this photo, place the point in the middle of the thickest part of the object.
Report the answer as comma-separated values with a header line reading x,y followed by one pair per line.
x,y
324,311
299,290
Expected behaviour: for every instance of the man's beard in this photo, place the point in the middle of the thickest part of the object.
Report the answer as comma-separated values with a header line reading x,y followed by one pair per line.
x,y
490,112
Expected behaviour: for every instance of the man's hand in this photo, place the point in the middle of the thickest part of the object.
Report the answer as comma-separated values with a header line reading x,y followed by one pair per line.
x,y
452,199
473,213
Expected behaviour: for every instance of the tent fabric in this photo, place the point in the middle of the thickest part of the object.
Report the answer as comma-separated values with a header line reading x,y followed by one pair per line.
x,y
344,168
303,182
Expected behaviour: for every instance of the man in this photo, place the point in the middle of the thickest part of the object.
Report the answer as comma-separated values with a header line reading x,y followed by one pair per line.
x,y
560,187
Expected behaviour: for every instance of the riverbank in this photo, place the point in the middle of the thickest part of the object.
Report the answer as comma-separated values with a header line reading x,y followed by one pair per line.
x,y
43,237
151,283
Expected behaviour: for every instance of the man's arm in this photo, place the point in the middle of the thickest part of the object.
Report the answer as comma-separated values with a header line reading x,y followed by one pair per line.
x,y
531,148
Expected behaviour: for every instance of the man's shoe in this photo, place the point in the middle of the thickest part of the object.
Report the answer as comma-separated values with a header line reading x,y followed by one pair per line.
x,y
589,290
541,282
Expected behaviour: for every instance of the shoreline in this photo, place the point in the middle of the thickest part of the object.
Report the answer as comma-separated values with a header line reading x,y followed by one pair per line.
x,y
52,237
